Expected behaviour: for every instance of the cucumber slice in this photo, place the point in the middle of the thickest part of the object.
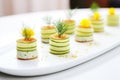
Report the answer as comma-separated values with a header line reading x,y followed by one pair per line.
x,y
58,44
98,26
59,40
49,31
71,27
70,31
98,29
84,29
113,24
59,53
32,44
113,17
26,47
97,22
46,36
59,48
81,34
26,50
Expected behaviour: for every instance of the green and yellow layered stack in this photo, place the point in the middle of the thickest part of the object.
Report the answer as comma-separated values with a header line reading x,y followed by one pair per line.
x,y
112,18
97,22
59,45
84,32
71,26
27,47
59,42
46,32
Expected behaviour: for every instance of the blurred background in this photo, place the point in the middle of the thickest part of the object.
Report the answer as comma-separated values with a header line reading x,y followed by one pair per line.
x,y
10,7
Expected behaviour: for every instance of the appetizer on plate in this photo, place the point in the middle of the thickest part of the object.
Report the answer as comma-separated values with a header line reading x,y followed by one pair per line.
x,y
84,32
112,18
27,46
59,42
47,31
97,22
70,22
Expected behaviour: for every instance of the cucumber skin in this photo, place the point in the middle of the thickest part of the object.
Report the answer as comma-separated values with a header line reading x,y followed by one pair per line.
x,y
82,34
45,35
113,20
49,31
71,29
32,44
98,29
85,30
26,50
59,53
54,43
59,40
26,47
59,48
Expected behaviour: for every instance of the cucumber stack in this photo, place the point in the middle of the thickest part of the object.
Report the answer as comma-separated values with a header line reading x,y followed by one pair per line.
x,y
97,22
70,22
58,45
59,42
112,18
46,32
84,32
71,26
27,47
98,25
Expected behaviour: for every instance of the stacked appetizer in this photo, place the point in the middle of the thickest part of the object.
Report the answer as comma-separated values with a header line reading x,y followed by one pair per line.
x,y
27,46
47,31
97,22
112,18
59,42
70,22
84,32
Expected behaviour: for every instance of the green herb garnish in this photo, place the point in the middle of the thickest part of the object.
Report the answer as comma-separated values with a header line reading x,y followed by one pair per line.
x,y
70,13
27,33
94,7
48,20
61,27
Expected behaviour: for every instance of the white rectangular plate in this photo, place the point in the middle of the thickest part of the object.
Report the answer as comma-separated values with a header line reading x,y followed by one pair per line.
x,y
48,63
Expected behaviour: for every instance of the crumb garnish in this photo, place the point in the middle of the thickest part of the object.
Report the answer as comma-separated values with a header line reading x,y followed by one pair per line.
x,y
70,56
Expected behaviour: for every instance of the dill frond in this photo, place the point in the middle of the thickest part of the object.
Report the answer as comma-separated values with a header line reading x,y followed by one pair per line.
x,y
61,27
48,20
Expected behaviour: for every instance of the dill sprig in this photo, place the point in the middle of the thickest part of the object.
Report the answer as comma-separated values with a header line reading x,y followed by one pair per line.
x,y
48,20
61,27
94,7
70,13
